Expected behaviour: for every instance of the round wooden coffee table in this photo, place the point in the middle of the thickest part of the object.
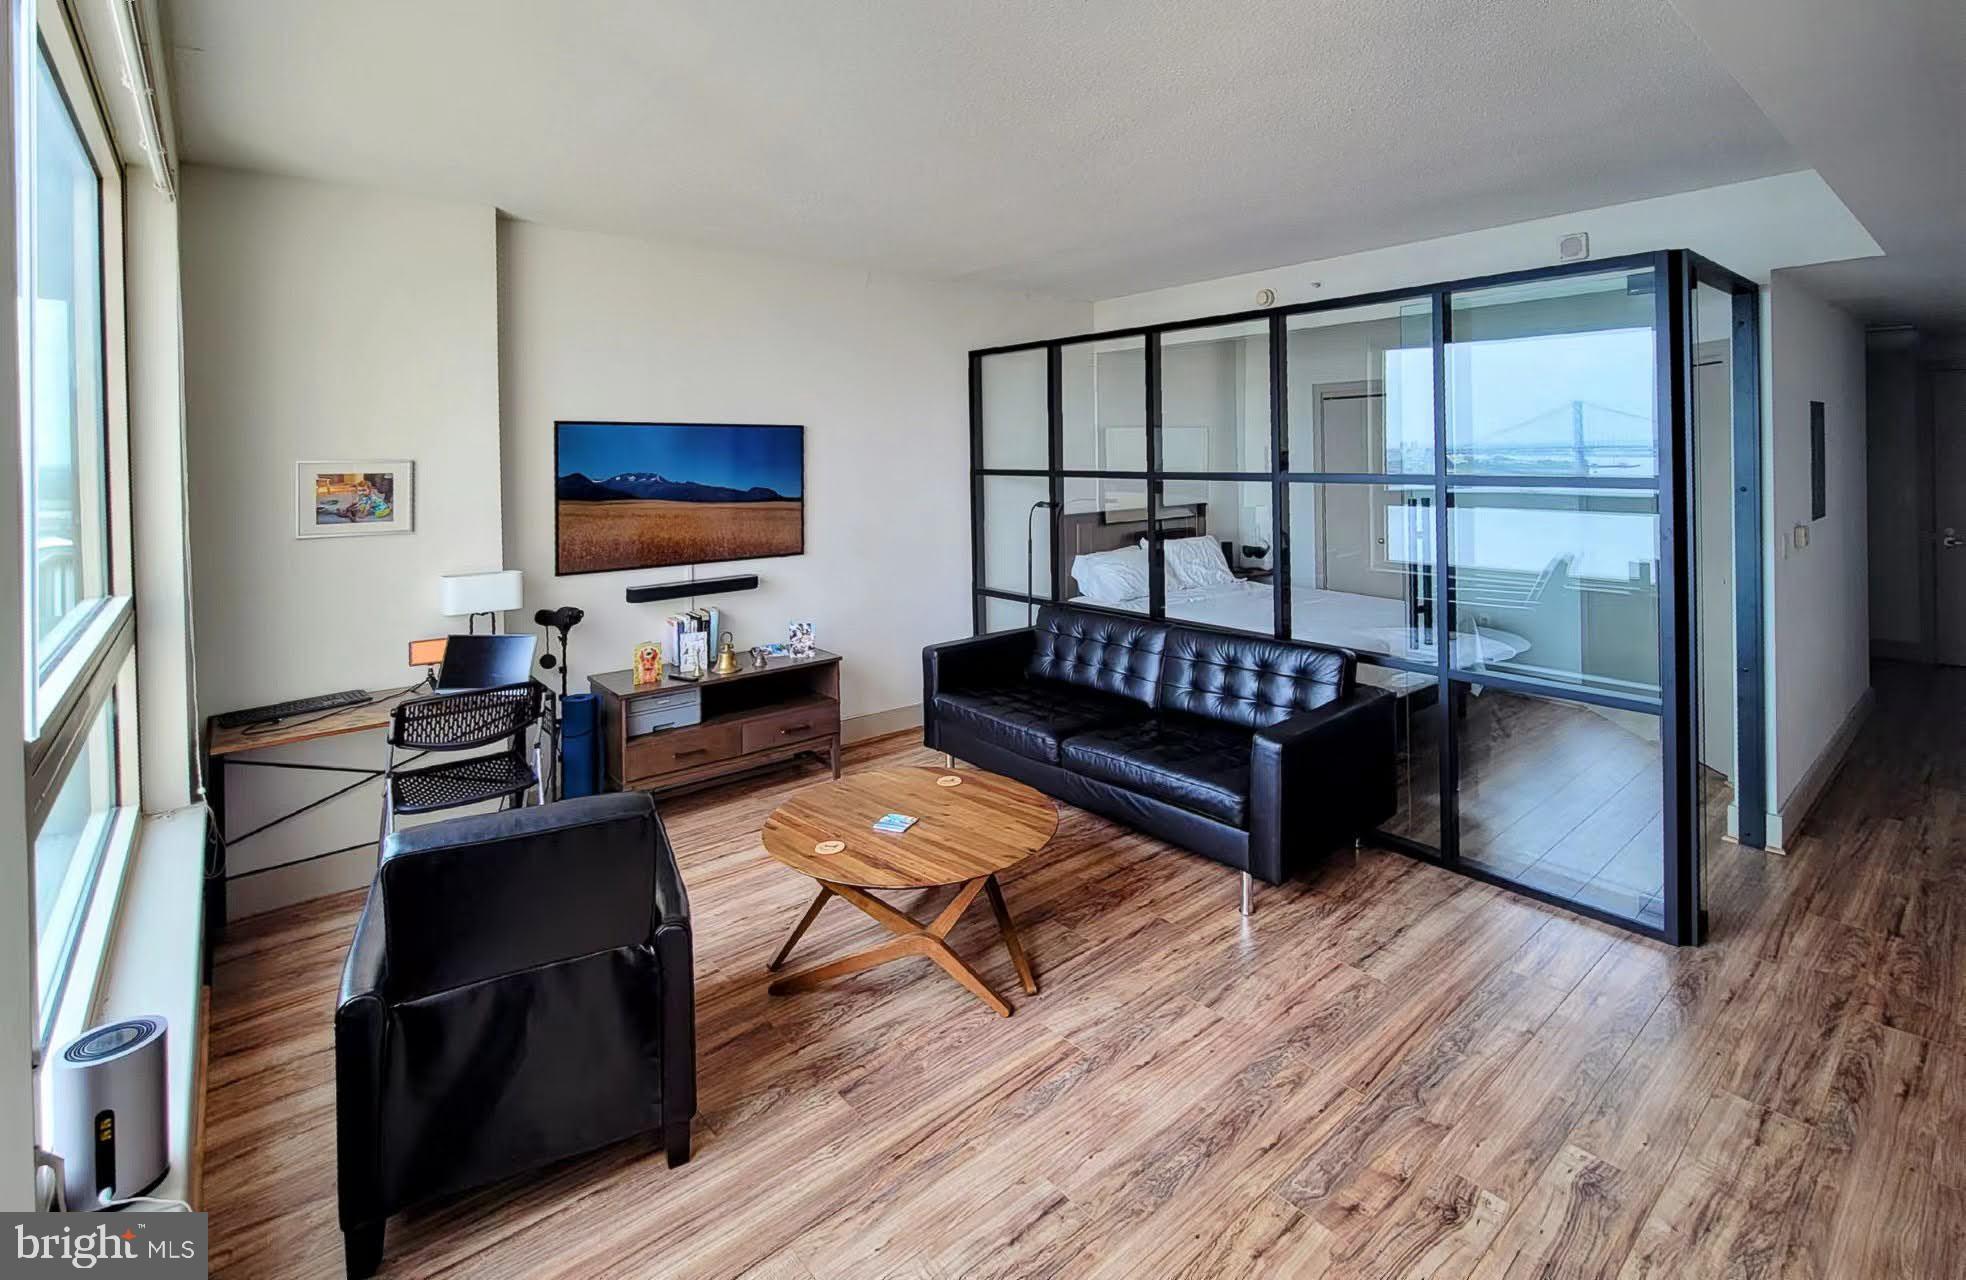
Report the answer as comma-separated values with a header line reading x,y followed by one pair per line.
x,y
967,831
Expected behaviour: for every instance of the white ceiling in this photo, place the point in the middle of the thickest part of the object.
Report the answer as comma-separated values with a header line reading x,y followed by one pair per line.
x,y
1873,94
1088,149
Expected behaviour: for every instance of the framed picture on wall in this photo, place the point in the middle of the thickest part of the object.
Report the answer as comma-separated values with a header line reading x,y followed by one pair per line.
x,y
352,498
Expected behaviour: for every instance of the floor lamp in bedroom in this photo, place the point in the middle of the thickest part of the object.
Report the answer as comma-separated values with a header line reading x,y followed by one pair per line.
x,y
1030,554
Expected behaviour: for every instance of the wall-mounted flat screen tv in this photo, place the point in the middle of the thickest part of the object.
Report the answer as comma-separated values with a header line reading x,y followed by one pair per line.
x,y
640,495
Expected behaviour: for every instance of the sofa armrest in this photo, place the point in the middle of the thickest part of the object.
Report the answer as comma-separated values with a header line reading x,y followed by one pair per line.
x,y
360,1026
978,662
1320,778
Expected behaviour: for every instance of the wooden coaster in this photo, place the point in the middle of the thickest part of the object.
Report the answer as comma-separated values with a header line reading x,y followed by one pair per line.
x,y
948,780
830,846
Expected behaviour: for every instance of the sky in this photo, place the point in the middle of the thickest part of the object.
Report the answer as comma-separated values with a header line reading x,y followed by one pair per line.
x,y
736,457
1509,387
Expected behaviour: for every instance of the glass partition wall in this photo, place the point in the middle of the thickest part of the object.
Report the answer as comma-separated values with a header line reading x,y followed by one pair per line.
x,y
1487,490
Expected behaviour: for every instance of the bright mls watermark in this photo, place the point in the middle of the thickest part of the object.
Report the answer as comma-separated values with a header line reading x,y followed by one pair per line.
x,y
164,1245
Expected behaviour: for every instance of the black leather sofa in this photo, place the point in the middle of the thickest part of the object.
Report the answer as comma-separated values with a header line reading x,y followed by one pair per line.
x,y
519,990
1260,754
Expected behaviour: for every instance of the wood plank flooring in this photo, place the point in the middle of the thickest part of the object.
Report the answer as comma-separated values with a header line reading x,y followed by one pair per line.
x,y
1388,1071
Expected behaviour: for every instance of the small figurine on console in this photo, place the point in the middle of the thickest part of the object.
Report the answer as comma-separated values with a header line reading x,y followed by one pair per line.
x,y
648,663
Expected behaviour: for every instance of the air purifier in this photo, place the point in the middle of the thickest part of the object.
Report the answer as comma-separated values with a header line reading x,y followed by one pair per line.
x,y
107,1086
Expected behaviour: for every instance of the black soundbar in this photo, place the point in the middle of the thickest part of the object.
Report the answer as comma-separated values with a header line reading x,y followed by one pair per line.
x,y
701,587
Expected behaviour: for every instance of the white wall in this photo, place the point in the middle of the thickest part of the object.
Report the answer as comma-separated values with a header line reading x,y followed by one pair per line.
x,y
603,327
328,322
1819,619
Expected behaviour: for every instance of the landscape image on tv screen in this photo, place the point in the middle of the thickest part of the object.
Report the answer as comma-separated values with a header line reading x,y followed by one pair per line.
x,y
638,495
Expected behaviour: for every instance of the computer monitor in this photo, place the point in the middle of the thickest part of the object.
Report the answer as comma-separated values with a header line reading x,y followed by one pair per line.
x,y
484,662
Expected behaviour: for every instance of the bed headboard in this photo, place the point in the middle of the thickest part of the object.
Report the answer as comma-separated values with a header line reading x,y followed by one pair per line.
x,y
1084,533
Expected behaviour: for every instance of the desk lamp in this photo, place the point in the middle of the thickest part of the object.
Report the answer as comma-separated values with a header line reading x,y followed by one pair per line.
x,y
466,595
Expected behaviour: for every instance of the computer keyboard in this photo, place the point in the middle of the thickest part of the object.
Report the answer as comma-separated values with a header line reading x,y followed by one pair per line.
x,y
288,710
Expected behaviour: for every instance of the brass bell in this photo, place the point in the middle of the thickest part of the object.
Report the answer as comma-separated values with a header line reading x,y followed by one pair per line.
x,y
726,657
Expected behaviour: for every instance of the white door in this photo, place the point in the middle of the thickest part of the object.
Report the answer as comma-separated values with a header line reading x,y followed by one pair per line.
x,y
1949,512
1352,553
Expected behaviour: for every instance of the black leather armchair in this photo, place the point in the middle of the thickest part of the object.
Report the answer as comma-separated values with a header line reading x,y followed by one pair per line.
x,y
1261,754
519,990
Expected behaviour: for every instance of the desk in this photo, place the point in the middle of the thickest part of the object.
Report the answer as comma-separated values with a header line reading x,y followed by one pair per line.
x,y
223,746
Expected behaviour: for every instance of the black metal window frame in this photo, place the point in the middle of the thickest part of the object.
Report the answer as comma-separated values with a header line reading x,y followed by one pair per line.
x,y
1675,274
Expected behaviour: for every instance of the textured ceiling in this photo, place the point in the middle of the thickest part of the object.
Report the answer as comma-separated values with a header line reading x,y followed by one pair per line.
x,y
1874,96
1088,149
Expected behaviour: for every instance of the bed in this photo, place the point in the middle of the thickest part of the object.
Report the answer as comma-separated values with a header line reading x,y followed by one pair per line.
x,y
1366,624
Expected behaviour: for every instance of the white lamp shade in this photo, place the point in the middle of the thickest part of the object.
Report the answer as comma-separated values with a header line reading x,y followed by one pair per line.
x,y
468,593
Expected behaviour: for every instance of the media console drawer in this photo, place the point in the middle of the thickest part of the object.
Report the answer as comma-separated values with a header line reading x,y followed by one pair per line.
x,y
793,724
673,749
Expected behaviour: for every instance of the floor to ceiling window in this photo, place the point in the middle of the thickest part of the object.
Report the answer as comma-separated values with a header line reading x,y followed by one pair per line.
x,y
1553,560
79,623
1474,486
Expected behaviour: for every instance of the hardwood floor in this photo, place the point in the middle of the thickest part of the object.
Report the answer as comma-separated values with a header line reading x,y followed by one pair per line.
x,y
1387,1071
1558,796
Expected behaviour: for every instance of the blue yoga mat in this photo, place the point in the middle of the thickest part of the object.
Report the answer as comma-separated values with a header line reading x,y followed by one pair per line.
x,y
580,753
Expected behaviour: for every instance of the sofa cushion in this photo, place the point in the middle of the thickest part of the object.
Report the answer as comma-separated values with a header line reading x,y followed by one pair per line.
x,y
1117,656
1034,717
1201,765
1246,681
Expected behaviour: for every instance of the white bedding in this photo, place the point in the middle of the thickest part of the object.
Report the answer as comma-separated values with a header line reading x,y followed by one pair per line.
x,y
1369,624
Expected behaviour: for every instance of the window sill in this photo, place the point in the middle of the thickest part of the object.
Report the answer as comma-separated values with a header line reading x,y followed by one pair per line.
x,y
152,964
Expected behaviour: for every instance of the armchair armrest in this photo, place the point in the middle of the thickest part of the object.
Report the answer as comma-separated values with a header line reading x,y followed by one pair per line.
x,y
976,662
1320,778
675,951
361,973
671,899
360,1025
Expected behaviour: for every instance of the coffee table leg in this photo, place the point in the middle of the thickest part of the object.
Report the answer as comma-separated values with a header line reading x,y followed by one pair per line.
x,y
938,951
807,979
915,939
799,930
1011,941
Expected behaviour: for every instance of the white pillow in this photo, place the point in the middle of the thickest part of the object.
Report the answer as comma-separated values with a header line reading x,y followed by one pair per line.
x,y
1112,575
1195,562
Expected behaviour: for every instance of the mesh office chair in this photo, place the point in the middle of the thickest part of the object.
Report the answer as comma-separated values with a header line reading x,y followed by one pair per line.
x,y
464,722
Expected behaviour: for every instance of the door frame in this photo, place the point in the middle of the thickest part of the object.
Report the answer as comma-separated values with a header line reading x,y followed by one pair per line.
x,y
1750,571
1925,448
